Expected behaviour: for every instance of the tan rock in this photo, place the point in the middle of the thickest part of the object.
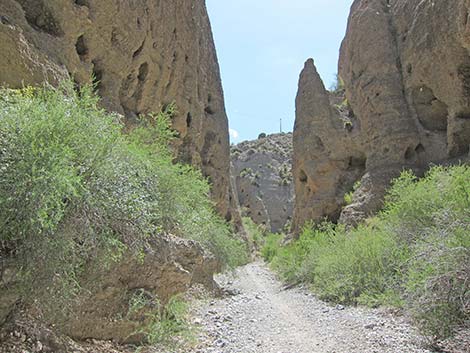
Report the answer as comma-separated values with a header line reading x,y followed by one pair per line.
x,y
143,54
327,154
170,266
405,66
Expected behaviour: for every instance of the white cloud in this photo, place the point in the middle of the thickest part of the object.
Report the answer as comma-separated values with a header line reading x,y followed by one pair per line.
x,y
233,133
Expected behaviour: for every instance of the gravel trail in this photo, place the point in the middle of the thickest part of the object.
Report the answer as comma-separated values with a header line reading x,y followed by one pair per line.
x,y
260,316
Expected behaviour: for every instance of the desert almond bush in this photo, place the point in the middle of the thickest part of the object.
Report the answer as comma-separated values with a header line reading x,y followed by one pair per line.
x,y
74,189
415,254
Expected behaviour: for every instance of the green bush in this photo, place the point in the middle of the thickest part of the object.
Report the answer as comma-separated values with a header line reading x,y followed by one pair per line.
x,y
272,245
355,267
256,233
160,324
415,254
349,197
75,190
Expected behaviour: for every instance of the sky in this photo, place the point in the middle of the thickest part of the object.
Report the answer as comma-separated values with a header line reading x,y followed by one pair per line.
x,y
262,46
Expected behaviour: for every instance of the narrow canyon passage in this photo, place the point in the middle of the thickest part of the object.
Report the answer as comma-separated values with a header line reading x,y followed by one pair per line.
x,y
260,316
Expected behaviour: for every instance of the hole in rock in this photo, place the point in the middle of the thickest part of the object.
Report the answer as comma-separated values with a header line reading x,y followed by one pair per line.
x,y
303,178
410,154
143,72
209,110
139,50
432,113
82,3
459,142
464,75
40,17
189,119
420,149
81,48
357,162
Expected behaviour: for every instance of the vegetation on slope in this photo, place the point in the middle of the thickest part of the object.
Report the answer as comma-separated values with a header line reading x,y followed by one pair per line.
x,y
75,190
415,254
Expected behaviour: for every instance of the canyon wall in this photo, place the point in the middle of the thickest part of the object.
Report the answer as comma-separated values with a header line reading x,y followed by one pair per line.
x,y
143,55
405,104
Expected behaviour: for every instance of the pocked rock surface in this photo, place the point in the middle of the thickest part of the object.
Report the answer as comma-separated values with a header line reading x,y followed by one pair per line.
x,y
143,55
405,66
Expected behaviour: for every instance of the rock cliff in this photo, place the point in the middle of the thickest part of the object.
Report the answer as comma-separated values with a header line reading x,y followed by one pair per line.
x,y
405,104
143,54
263,173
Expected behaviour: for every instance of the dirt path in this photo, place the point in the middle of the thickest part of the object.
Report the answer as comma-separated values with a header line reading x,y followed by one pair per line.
x,y
262,317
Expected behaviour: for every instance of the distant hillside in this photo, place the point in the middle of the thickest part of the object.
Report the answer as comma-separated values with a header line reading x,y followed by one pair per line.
x,y
263,172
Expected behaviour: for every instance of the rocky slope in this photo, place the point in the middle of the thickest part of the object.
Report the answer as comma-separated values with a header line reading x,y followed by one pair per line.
x,y
263,176
406,104
143,55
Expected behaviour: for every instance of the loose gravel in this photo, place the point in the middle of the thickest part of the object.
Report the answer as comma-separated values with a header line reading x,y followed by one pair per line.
x,y
260,316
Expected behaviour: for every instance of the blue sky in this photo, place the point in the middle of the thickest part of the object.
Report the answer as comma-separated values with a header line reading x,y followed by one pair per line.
x,y
262,46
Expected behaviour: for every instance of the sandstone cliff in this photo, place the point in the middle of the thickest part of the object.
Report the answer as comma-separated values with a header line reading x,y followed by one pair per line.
x,y
405,65
143,54
262,170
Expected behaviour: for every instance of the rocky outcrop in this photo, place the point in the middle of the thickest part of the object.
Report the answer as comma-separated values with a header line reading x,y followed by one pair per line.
x,y
116,301
170,267
142,54
262,171
327,156
406,104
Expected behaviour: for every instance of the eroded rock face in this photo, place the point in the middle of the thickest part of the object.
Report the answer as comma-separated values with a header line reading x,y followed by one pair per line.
x,y
171,266
143,54
117,299
328,157
405,66
263,173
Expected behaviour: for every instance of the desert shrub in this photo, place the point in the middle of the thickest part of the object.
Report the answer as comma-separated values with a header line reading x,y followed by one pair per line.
x,y
415,254
355,267
246,172
271,246
287,260
256,233
431,216
162,324
349,196
75,190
